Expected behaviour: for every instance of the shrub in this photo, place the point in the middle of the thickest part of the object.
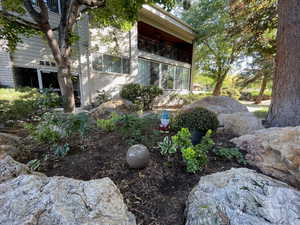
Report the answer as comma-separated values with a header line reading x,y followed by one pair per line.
x,y
142,96
198,119
230,154
102,97
195,157
231,92
131,92
25,102
56,129
109,125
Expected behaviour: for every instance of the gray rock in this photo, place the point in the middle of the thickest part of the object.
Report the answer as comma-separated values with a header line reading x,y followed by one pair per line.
x,y
120,106
37,199
138,156
218,104
275,151
242,197
10,150
168,100
9,139
239,123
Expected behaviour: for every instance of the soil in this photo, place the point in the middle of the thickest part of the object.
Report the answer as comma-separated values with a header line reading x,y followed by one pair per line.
x,y
156,194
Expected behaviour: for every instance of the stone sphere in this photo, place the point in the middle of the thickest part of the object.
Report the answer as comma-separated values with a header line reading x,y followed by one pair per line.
x,y
138,156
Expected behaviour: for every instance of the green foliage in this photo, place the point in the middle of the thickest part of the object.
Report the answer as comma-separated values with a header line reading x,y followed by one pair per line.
x,y
195,157
198,119
167,147
231,92
262,113
34,164
110,124
102,97
56,128
140,95
182,139
137,130
61,150
25,102
231,154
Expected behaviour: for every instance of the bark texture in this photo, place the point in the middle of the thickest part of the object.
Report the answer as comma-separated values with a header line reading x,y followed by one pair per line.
x,y
262,89
285,106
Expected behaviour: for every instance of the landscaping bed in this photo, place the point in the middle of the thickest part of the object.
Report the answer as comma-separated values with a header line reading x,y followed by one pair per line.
x,y
156,194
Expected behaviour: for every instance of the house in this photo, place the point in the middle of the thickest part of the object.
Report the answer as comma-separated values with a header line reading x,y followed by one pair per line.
x,y
158,50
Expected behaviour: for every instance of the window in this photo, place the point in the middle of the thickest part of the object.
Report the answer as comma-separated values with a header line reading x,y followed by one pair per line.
x,y
111,64
167,73
166,76
53,5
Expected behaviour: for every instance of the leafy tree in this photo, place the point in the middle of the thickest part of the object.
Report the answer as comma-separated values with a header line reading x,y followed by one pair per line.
x,y
261,70
217,48
120,13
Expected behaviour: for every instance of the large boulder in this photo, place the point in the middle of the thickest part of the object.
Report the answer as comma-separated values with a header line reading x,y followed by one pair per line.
x,y
37,199
218,104
120,106
168,101
239,123
275,151
242,197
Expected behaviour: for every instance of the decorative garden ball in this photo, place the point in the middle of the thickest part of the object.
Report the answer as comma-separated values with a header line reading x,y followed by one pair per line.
x,y
138,156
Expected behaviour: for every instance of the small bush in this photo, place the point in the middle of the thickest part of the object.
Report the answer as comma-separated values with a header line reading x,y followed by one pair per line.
x,y
231,92
230,154
25,102
195,157
198,119
142,96
56,129
110,124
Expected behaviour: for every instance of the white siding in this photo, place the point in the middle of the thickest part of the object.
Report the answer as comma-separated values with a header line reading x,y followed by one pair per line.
x,y
6,74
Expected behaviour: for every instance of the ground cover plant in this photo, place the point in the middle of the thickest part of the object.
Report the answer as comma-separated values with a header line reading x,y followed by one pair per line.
x,y
23,103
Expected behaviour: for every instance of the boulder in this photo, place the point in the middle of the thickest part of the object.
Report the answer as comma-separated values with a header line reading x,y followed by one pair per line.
x,y
10,150
239,123
275,151
9,139
218,104
37,199
120,106
168,101
138,156
242,197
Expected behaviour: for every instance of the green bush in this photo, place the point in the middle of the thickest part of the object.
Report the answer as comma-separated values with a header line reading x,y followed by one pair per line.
x,y
195,157
198,119
109,124
140,95
25,102
231,92
230,154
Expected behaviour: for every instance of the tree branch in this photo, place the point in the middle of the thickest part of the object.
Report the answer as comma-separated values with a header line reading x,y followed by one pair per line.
x,y
92,3
36,16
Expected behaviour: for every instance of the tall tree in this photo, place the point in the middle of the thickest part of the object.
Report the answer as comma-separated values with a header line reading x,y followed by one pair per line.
x,y
217,49
285,105
120,13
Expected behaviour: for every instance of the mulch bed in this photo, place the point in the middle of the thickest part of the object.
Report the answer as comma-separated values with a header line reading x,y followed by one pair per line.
x,y
156,194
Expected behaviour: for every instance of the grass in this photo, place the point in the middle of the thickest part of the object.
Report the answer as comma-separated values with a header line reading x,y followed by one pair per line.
x,y
12,94
262,113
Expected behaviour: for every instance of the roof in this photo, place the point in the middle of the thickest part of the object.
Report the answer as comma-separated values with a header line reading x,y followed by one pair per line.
x,y
163,20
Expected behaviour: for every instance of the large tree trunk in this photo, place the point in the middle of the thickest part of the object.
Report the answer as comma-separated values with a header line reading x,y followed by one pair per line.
x,y
262,90
285,106
66,86
218,86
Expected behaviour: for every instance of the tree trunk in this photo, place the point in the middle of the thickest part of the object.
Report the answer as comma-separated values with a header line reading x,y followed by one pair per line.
x,y
218,86
285,106
262,90
66,86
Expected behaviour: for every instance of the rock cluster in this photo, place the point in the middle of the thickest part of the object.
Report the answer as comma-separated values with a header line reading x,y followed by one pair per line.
x,y
32,198
242,197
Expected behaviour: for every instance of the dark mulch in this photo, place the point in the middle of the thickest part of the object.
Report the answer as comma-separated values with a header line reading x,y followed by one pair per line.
x,y
156,194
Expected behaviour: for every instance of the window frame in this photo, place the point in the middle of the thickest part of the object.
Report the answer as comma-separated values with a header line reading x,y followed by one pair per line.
x,y
102,63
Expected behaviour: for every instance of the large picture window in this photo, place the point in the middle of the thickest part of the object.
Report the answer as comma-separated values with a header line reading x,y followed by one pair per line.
x,y
166,76
111,64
